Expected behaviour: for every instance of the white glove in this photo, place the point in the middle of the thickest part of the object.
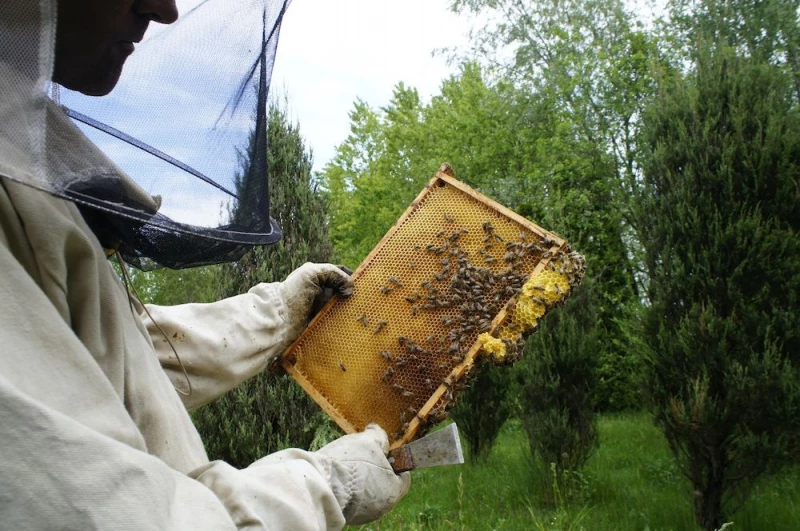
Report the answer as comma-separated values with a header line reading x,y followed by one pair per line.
x,y
307,289
362,479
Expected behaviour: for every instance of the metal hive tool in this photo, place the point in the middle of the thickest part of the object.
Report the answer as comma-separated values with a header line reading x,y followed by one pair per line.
x,y
457,281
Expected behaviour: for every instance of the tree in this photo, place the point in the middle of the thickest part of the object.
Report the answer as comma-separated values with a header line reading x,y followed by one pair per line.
x,y
555,381
766,31
582,71
719,215
482,409
268,413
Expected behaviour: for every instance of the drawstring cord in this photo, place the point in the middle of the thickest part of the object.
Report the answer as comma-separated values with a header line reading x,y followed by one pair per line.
x,y
130,287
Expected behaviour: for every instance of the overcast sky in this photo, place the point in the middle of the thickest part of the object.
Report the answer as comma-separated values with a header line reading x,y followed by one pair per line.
x,y
332,52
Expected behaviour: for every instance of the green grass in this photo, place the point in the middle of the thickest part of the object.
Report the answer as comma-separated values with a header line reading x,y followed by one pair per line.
x,y
630,483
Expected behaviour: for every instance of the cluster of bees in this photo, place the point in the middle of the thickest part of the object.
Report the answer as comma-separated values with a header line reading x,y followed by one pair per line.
x,y
465,295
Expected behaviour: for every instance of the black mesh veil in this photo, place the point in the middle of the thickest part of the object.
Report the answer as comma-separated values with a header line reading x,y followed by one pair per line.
x,y
187,124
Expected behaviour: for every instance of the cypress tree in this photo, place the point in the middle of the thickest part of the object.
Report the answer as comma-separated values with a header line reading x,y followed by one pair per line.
x,y
556,379
482,409
269,412
719,220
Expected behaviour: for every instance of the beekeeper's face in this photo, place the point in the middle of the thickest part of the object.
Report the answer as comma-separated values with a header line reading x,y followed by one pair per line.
x,y
95,37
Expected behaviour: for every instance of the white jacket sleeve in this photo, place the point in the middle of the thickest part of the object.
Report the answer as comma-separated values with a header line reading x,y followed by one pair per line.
x,y
220,344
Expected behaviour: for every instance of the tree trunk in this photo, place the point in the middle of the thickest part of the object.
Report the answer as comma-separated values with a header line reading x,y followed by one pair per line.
x,y
708,503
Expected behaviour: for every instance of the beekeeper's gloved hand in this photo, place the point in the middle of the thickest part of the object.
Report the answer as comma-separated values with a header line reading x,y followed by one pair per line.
x,y
362,479
306,290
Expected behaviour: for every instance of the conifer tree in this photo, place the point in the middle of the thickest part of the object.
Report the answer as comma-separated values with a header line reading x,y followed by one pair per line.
x,y
555,383
719,218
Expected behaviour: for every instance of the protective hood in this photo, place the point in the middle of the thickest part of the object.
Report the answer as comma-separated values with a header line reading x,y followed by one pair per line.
x,y
171,167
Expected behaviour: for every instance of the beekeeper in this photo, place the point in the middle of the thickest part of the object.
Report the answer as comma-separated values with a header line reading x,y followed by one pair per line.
x,y
94,432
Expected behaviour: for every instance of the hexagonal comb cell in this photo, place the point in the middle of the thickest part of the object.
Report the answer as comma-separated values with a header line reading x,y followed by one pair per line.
x,y
457,280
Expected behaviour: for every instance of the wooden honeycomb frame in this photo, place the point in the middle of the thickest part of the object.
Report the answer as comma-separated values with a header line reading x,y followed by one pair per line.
x,y
393,322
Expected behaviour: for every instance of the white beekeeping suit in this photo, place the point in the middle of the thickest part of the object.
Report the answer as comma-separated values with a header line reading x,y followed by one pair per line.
x,y
93,434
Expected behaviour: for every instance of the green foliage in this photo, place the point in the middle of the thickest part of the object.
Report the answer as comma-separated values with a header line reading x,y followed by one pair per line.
x,y
263,415
482,409
719,223
168,287
582,74
268,413
393,152
555,381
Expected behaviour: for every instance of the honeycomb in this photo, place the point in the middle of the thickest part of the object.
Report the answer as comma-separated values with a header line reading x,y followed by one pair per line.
x,y
457,281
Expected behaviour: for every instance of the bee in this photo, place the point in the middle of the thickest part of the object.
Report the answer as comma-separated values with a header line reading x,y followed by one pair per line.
x,y
510,257
442,366
386,290
407,394
431,338
487,226
489,259
448,217
454,347
402,340
412,265
387,374
400,362
414,311
385,354
399,388
341,366
410,299
440,234
426,284
428,384
438,415
395,281
422,367
381,326
548,242
547,254
417,247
